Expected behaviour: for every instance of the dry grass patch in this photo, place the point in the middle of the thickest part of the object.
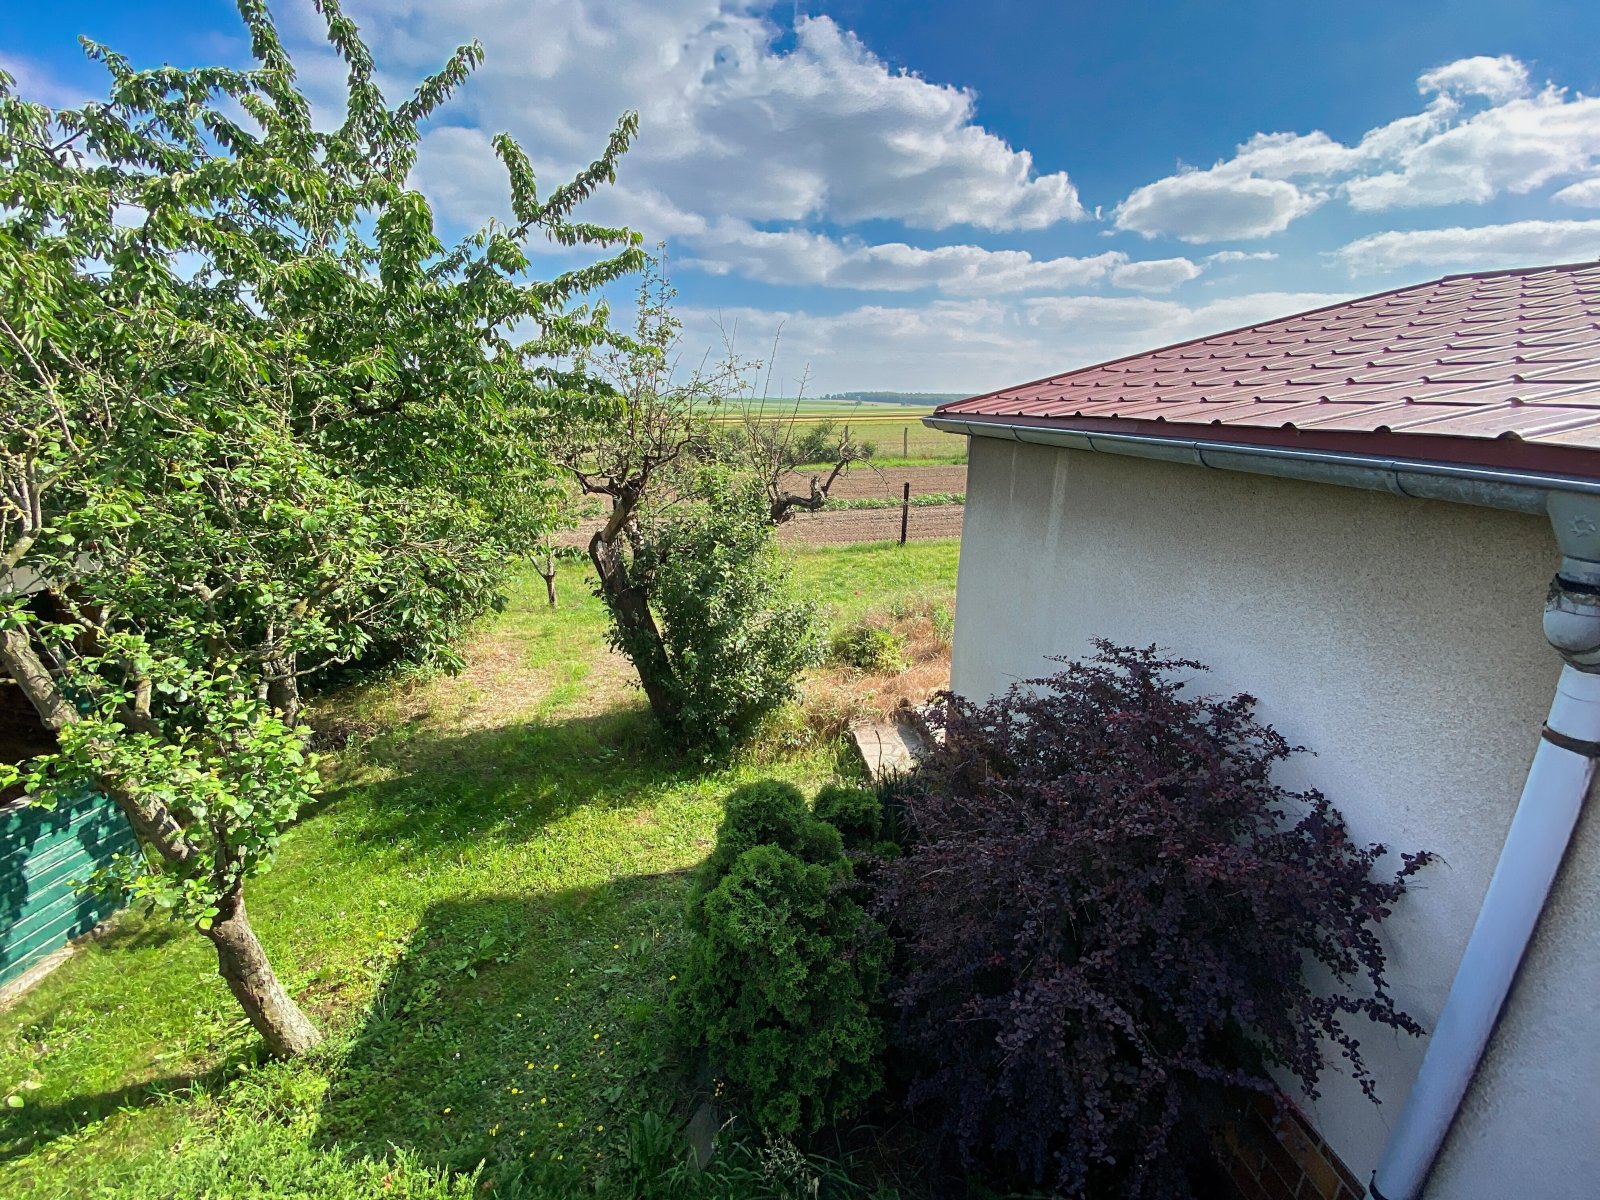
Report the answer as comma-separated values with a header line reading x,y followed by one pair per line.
x,y
839,694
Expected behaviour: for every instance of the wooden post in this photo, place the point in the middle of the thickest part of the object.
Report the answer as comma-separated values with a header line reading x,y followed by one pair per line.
x,y
905,511
905,441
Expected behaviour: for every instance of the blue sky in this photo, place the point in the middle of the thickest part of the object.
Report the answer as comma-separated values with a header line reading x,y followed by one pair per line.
x,y
952,197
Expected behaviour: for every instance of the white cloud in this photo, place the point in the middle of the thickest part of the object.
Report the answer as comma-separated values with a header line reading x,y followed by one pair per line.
x,y
1156,274
1517,146
734,122
1213,206
1238,256
1516,244
1287,155
1496,78
1583,194
804,257
1146,323
976,345
1482,133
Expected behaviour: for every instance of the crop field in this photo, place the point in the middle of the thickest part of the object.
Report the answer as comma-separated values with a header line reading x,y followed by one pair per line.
x,y
896,405
893,429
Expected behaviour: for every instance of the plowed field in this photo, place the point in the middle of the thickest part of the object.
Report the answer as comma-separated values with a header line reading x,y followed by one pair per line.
x,y
862,524
872,525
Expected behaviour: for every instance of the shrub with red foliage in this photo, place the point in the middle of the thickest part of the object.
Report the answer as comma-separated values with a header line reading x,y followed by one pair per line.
x,y
1112,922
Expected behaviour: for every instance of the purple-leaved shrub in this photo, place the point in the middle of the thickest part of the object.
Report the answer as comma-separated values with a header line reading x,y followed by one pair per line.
x,y
1112,923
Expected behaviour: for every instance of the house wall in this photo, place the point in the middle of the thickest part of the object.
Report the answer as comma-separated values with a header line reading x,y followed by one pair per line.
x,y
1401,641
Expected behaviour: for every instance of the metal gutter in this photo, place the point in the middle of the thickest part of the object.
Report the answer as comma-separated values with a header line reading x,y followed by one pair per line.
x,y
1421,479
1559,778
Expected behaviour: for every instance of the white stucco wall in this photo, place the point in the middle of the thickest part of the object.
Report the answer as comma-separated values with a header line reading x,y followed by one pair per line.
x,y
1401,641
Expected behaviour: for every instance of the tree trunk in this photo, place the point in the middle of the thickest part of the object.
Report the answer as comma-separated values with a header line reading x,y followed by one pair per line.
x,y
151,819
548,572
630,608
283,689
243,963
240,959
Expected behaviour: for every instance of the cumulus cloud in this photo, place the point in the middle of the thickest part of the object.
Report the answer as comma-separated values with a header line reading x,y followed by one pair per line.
x,y
1483,132
1515,244
1155,274
1497,78
1145,322
1583,194
1238,256
1517,146
979,344
802,256
742,117
1213,206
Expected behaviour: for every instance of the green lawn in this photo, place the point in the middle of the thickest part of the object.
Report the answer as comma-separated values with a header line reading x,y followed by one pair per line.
x,y
483,914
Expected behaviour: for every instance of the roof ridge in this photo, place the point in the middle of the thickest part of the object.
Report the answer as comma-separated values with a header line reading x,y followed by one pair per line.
x,y
1569,266
1194,341
1222,333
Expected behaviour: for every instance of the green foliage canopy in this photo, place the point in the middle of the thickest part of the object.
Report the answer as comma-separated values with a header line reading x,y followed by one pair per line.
x,y
258,421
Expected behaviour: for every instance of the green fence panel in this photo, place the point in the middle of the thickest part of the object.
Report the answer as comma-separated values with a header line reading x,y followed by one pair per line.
x,y
43,852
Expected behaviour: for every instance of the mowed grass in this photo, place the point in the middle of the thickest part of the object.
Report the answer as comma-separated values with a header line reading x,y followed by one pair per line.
x,y
483,914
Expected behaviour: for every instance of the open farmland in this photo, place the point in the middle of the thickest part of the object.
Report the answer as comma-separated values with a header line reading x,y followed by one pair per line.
x,y
850,526
868,482
895,431
839,527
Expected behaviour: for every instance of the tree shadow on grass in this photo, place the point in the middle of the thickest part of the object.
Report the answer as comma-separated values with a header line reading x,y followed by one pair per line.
x,y
509,781
517,1031
25,1130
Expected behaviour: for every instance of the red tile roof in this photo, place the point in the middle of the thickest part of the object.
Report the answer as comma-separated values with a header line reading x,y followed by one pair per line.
x,y
1500,368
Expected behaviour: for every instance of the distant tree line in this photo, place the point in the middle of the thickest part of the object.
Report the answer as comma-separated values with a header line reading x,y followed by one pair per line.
x,y
928,398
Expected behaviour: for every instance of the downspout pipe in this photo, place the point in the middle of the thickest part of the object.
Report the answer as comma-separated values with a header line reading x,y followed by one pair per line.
x,y
1552,800
1558,781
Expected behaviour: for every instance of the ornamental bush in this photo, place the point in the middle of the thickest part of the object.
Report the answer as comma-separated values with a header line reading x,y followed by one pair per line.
x,y
769,812
785,969
733,640
1104,919
855,812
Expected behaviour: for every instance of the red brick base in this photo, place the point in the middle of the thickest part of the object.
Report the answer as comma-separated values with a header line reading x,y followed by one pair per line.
x,y
1272,1153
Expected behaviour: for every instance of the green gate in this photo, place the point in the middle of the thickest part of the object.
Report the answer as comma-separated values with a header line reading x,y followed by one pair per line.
x,y
42,851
